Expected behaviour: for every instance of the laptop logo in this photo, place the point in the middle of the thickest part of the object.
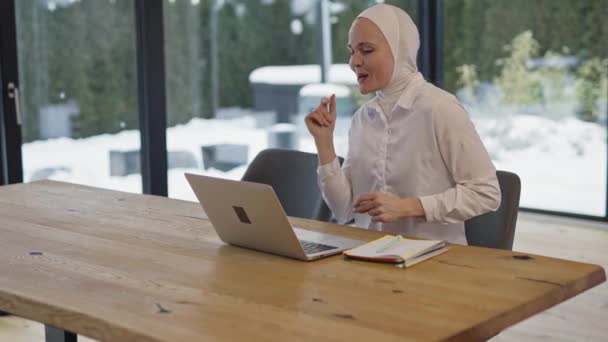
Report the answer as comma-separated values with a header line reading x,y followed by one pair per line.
x,y
241,214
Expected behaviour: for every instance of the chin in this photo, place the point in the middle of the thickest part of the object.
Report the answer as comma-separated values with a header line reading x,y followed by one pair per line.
x,y
366,90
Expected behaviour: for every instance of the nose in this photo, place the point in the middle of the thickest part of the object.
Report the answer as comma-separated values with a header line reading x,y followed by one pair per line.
x,y
355,60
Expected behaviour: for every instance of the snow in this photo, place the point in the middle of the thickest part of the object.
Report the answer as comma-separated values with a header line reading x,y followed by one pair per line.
x,y
282,128
561,162
296,26
557,62
324,89
86,161
301,74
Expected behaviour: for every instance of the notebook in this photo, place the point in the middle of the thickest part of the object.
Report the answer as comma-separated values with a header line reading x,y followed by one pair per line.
x,y
397,250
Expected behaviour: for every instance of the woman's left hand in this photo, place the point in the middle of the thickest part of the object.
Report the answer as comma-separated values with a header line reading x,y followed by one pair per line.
x,y
385,207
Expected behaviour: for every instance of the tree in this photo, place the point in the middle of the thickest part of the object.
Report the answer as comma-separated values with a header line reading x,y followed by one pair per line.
x,y
518,84
476,31
468,80
591,85
186,61
85,50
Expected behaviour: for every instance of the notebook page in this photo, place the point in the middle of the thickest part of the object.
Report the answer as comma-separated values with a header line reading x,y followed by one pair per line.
x,y
391,245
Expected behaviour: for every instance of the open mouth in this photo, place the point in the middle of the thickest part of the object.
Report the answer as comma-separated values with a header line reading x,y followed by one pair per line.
x,y
362,77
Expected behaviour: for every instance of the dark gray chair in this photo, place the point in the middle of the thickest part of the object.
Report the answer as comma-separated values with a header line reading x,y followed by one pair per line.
x,y
496,229
293,176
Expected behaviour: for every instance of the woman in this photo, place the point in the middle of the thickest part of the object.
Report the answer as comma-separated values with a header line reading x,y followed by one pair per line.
x,y
415,164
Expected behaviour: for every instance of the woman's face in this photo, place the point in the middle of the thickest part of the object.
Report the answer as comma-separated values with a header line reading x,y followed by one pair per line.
x,y
370,56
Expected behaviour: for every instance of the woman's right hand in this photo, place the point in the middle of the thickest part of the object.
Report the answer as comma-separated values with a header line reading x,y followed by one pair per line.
x,y
321,121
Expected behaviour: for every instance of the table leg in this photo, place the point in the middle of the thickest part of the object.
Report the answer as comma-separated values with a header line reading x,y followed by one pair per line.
x,y
53,334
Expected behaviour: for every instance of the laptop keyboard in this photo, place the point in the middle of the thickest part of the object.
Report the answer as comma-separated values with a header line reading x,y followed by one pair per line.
x,y
314,247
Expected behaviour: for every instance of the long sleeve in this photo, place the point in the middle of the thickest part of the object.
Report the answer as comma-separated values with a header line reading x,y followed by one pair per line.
x,y
336,189
476,190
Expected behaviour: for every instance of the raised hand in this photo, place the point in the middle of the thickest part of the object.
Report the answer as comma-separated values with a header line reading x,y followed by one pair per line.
x,y
322,120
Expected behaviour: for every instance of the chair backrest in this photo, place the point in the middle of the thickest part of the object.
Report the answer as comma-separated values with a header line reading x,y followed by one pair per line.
x,y
293,177
496,229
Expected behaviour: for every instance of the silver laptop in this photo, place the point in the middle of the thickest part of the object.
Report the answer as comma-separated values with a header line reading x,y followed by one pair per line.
x,y
250,215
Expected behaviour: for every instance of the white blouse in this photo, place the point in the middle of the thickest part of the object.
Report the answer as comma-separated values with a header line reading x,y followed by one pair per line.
x,y
427,147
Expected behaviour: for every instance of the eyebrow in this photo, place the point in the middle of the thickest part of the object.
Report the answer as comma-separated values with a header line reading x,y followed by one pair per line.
x,y
362,43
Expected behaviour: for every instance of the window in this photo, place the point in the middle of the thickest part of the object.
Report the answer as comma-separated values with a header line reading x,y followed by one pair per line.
x,y
79,92
533,76
241,76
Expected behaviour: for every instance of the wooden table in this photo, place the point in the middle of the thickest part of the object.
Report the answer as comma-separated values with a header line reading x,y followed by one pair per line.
x,y
125,267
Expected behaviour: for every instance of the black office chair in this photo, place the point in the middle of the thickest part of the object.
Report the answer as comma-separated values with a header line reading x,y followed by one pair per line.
x,y
293,176
497,229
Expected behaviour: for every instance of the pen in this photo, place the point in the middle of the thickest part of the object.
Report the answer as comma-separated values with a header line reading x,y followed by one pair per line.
x,y
388,244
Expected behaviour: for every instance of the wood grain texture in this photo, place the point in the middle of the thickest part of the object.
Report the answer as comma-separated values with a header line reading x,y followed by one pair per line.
x,y
124,267
584,317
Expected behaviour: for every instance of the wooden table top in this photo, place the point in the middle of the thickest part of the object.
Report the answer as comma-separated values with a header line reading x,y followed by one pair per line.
x,y
116,266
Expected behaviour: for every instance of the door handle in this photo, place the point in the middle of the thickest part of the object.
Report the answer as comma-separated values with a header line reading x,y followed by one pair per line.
x,y
13,93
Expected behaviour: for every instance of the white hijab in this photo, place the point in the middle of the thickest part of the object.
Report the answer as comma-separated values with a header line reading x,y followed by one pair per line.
x,y
402,36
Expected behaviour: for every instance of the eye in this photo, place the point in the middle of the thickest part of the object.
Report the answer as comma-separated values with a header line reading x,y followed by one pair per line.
x,y
367,51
